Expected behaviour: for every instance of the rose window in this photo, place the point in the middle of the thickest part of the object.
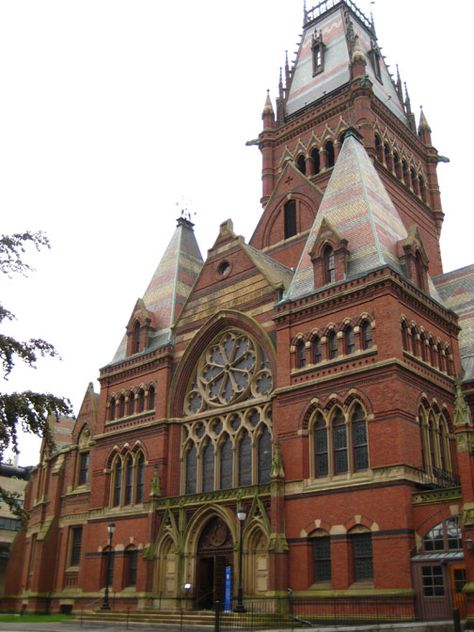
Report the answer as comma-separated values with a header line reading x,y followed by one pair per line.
x,y
231,369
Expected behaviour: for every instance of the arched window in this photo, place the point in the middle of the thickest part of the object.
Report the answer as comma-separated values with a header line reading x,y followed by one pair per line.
x,y
226,463
128,480
445,536
405,172
422,416
208,467
432,347
316,349
245,459
191,464
414,181
332,344
404,327
321,558
349,343
432,440
136,337
264,456
362,556
420,271
387,156
131,403
360,452
130,566
316,160
422,188
301,163
289,212
107,571
117,482
121,406
441,358
366,335
321,460
300,354
397,164
140,478
329,265
330,157
378,148
151,398
423,346
83,477
112,409
141,401
339,442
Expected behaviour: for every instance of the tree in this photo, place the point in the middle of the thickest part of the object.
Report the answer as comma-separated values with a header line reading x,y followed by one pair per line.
x,y
29,410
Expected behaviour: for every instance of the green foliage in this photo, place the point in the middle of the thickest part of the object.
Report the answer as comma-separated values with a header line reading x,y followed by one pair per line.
x,y
28,410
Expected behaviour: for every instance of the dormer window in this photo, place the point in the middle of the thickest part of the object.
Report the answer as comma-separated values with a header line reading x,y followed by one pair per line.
x,y
374,55
136,337
289,211
329,265
317,48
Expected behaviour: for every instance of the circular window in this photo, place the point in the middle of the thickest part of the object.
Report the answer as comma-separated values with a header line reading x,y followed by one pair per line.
x,y
223,269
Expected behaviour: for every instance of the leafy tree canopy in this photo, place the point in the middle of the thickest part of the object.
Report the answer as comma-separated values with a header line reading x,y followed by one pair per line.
x,y
29,410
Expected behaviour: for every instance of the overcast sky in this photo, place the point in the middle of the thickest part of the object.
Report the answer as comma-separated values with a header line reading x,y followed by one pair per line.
x,y
113,112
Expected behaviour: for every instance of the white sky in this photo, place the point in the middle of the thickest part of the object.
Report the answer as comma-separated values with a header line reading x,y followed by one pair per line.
x,y
112,112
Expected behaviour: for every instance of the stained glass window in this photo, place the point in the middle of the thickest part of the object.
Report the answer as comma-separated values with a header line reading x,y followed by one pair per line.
x,y
245,459
264,456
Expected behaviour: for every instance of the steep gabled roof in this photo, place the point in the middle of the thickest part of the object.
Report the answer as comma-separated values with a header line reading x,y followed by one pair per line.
x,y
169,286
457,291
338,24
357,205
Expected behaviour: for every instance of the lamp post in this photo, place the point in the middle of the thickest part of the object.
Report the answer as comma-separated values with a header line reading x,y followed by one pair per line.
x,y
241,515
105,603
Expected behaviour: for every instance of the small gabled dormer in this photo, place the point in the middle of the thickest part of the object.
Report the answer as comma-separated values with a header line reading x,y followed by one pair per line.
x,y
317,50
329,256
413,258
138,329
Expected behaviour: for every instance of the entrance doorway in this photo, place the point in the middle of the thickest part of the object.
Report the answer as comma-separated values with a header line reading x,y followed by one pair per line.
x,y
215,552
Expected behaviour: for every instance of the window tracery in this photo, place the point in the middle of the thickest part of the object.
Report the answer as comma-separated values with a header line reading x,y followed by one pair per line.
x,y
233,368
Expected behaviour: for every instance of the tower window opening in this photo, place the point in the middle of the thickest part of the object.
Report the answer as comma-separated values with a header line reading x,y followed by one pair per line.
x,y
329,265
330,156
318,53
349,342
316,160
136,338
366,335
300,354
301,163
290,218
332,345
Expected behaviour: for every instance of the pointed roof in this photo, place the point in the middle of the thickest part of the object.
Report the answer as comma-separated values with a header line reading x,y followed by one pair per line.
x,y
338,25
357,206
170,285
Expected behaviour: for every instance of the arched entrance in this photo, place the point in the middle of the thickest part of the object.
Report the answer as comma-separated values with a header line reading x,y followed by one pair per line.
x,y
214,553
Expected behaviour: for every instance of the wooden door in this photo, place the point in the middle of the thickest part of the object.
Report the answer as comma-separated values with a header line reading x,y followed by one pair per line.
x,y
457,577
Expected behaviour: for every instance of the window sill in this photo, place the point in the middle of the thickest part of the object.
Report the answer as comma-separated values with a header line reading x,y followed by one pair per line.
x,y
340,359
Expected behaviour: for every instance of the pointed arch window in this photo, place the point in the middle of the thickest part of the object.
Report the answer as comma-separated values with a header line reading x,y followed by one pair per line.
x,y
131,403
301,164
330,155
316,160
366,335
121,406
128,481
404,328
112,409
136,337
208,467
264,456
245,459
191,464
339,440
349,341
141,401
432,440
360,452
321,447
140,480
226,461
117,482
332,344
317,49
289,212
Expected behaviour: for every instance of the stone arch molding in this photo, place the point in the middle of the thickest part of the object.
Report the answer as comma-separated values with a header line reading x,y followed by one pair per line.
x,y
197,358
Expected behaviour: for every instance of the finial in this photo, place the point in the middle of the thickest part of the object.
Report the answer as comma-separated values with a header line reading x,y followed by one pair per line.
x,y
358,53
268,108
305,13
424,125
407,99
399,84
287,70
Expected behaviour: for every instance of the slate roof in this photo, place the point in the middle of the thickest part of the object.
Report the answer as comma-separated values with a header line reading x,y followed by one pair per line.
x,y
456,288
276,273
306,88
170,285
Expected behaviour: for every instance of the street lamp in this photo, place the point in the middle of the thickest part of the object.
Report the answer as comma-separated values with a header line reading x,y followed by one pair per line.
x,y
241,515
105,603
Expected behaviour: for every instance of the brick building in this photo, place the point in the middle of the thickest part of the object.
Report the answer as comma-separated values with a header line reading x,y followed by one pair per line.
x,y
320,377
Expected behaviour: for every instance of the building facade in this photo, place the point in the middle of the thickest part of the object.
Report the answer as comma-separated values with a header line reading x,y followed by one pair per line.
x,y
318,377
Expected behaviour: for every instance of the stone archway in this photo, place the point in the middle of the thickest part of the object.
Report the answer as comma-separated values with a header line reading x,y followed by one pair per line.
x,y
214,553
